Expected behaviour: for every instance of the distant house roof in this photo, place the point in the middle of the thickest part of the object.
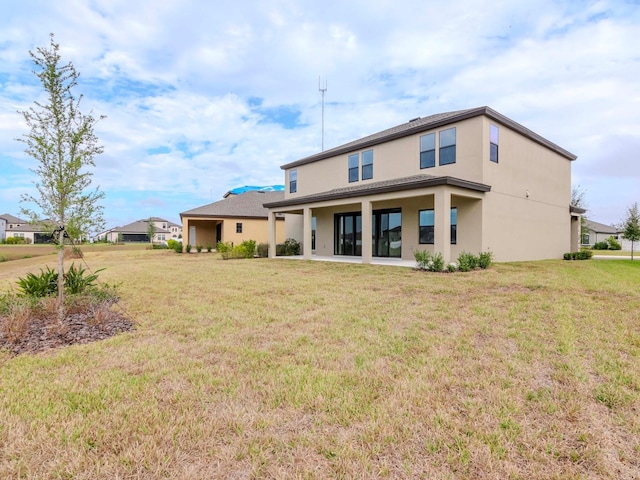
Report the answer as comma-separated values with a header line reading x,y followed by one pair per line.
x,y
246,205
11,219
600,227
139,226
252,188
418,125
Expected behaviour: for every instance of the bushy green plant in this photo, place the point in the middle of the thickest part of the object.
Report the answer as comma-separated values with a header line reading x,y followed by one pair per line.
x,y
581,255
290,247
159,246
177,247
248,248
467,261
600,246
209,247
427,261
46,283
613,243
76,282
263,250
198,248
225,249
188,248
485,259
42,285
171,243
452,267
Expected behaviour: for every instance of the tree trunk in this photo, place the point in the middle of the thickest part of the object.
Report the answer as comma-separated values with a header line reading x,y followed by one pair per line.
x,y
61,277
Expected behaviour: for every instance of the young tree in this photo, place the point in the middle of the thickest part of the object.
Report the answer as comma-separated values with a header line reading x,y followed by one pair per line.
x,y
62,141
151,229
631,226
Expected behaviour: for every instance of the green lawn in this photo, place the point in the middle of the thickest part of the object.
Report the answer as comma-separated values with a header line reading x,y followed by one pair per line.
x,y
292,369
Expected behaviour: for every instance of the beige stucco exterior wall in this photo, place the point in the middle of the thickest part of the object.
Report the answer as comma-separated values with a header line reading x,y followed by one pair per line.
x,y
395,159
526,214
252,229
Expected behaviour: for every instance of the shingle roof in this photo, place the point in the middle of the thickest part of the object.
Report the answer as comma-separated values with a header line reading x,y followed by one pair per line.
x,y
600,227
428,123
11,219
397,184
139,226
247,205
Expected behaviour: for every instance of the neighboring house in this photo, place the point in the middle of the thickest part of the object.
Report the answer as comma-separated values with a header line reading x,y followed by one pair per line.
x,y
236,218
470,180
32,233
599,232
3,226
138,231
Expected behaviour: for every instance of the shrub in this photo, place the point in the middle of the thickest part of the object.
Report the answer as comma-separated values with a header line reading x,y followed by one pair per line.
x,y
290,247
198,248
27,241
452,267
248,248
42,285
426,261
188,249
263,250
225,249
600,246
159,246
467,261
581,255
613,243
485,259
209,247
171,243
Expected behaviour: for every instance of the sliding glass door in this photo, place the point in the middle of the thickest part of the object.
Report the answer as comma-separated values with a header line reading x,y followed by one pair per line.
x,y
387,233
348,234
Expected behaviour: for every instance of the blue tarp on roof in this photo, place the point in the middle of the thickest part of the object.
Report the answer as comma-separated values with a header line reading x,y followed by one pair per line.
x,y
253,188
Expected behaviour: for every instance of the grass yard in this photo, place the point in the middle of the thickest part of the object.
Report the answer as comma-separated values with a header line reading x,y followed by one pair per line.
x,y
15,252
292,369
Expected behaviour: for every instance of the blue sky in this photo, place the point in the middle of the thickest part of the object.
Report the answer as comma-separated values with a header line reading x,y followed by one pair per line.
x,y
204,96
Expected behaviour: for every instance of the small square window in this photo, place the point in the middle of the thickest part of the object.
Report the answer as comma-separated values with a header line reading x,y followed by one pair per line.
x,y
238,227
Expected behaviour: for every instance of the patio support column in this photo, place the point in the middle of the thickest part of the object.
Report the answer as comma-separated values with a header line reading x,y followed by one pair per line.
x,y
367,232
442,223
271,232
306,233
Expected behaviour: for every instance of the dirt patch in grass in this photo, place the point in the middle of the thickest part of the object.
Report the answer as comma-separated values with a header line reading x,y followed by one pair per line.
x,y
22,332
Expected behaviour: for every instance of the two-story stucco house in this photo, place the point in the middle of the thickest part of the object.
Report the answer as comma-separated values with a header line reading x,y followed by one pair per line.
x,y
470,180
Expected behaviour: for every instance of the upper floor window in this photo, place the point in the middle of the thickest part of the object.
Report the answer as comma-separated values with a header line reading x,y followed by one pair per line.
x,y
354,167
493,143
367,165
293,181
428,150
448,146
238,227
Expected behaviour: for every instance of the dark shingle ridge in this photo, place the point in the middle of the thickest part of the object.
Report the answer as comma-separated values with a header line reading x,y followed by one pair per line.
x,y
245,205
427,123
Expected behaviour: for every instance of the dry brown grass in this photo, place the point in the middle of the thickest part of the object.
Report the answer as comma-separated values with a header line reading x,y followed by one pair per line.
x,y
291,369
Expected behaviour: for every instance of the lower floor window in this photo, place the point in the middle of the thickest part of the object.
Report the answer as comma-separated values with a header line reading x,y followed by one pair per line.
x,y
427,226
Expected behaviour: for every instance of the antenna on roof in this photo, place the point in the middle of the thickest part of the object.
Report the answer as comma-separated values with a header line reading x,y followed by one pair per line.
x,y
322,87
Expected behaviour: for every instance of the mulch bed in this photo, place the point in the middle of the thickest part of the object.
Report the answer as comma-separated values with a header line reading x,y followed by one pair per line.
x,y
47,333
